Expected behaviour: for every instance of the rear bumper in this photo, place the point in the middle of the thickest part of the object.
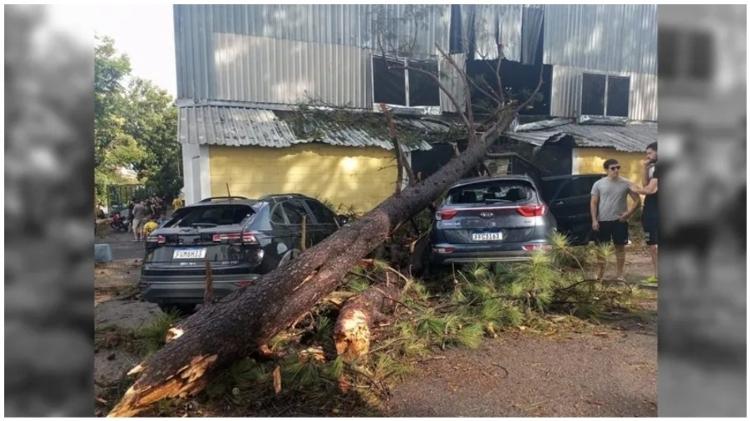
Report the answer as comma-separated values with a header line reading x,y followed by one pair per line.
x,y
470,253
182,289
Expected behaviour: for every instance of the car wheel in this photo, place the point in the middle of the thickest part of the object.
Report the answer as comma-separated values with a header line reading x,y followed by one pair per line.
x,y
291,254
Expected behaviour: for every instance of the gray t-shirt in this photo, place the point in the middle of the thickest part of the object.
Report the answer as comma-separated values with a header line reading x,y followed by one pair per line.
x,y
613,197
139,211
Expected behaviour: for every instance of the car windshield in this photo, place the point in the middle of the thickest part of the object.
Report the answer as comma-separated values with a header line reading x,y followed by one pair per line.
x,y
209,216
499,191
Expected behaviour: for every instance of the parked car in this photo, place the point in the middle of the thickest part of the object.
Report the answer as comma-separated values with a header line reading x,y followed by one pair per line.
x,y
569,198
491,219
240,238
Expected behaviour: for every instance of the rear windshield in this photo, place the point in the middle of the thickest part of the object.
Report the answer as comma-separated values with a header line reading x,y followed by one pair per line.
x,y
505,191
209,216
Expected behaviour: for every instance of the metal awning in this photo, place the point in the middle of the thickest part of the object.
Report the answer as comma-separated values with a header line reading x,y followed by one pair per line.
x,y
633,137
239,126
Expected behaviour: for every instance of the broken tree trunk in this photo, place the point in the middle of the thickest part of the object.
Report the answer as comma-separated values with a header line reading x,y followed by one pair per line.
x,y
358,316
245,320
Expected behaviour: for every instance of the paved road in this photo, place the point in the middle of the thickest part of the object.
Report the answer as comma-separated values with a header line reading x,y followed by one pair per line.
x,y
123,246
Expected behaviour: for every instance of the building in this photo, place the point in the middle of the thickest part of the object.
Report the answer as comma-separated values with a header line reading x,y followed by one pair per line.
x,y
244,70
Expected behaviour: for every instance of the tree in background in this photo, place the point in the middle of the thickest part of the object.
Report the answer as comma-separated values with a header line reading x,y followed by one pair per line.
x,y
135,126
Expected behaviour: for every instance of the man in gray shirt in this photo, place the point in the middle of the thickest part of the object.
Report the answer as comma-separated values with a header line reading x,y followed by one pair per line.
x,y
139,218
610,213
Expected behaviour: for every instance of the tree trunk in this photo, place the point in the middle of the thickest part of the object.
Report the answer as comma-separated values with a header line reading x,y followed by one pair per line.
x,y
357,316
246,319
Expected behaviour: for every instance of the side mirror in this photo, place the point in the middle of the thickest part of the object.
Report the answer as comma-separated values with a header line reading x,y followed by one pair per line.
x,y
342,220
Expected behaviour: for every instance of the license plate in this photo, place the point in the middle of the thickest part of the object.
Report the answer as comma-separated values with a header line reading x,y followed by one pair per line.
x,y
189,254
487,236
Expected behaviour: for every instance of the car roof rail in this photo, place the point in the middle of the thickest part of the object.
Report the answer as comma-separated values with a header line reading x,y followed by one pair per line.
x,y
211,199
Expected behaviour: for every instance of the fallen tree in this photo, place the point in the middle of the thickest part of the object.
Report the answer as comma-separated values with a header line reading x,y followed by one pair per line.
x,y
243,322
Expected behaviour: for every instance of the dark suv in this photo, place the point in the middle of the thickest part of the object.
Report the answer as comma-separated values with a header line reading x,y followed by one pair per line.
x,y
241,238
491,219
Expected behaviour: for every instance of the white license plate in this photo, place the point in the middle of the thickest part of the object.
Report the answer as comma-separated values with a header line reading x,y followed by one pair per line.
x,y
189,254
487,236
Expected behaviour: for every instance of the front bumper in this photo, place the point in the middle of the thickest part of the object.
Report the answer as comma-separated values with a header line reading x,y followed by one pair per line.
x,y
189,289
470,253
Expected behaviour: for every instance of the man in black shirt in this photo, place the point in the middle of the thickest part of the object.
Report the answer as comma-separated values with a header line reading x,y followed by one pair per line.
x,y
650,218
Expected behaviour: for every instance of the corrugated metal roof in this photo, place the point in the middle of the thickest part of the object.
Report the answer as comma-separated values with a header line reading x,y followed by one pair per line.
x,y
238,126
633,137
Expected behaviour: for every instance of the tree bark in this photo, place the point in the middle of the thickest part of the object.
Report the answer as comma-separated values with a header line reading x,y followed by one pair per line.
x,y
357,317
246,319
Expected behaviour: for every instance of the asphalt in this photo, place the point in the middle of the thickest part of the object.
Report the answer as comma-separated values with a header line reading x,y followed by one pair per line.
x,y
123,246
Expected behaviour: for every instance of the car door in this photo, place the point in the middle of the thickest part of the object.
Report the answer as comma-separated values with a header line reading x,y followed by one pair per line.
x,y
325,219
569,199
296,214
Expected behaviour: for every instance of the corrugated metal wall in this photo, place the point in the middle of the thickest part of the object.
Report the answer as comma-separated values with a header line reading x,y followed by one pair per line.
x,y
566,93
608,37
271,70
282,53
285,54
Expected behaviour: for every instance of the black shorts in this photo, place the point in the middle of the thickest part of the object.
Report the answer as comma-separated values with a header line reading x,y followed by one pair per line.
x,y
614,231
651,229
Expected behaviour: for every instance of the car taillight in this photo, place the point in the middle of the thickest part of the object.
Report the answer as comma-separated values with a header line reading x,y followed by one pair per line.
x,y
445,214
532,210
231,237
249,238
443,250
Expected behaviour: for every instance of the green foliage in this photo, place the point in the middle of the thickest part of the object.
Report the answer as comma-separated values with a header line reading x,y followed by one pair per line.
x,y
135,126
151,337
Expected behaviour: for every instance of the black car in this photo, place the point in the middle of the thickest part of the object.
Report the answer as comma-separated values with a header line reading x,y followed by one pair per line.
x,y
240,238
495,219
569,198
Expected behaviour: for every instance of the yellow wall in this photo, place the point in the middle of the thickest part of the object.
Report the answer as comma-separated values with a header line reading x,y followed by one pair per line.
x,y
591,161
343,176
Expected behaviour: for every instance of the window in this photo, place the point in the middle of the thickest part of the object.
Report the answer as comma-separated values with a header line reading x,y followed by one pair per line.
x,y
685,54
294,211
388,84
322,214
605,95
592,95
277,216
618,93
394,86
491,192
423,90
210,215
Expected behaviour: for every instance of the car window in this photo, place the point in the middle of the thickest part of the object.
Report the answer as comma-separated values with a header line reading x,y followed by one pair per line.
x,y
210,215
277,216
503,191
322,214
579,186
294,211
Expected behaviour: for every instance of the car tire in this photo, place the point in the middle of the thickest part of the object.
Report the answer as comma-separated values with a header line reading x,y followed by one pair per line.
x,y
288,256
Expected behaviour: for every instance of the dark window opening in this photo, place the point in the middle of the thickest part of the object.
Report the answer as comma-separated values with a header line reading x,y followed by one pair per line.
x,y
388,84
456,32
500,192
532,35
423,90
700,50
592,94
277,216
210,215
618,92
519,81
667,50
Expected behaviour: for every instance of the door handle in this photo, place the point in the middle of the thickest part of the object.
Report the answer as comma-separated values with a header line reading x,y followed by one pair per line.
x,y
558,202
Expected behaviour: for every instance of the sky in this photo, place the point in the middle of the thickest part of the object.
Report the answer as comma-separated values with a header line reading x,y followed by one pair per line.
x,y
142,31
